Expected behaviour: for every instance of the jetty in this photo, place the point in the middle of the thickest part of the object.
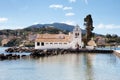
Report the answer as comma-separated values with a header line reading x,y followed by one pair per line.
x,y
117,53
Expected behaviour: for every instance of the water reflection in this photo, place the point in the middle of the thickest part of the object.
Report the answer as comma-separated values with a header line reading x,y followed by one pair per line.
x,y
88,64
85,66
80,66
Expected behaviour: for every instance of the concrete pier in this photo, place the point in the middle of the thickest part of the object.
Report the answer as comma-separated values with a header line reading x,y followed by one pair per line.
x,y
117,51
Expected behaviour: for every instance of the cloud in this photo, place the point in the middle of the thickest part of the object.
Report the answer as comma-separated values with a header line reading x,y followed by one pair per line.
x,y
67,8
59,6
72,1
36,23
108,26
56,6
86,1
69,14
3,20
69,22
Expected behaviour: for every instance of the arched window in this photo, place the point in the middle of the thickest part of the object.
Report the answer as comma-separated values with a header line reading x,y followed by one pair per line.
x,y
76,35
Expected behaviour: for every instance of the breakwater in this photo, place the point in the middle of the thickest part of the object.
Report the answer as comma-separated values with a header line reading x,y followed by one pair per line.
x,y
36,53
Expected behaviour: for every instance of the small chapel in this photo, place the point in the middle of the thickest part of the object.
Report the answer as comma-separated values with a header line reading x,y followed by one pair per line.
x,y
73,40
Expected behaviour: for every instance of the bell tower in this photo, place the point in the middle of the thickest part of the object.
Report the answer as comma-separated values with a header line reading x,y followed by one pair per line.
x,y
77,39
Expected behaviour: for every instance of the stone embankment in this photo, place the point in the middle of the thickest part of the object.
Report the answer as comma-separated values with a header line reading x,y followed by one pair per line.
x,y
35,53
9,56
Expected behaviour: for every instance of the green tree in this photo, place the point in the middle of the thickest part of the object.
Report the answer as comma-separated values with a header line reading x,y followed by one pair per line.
x,y
88,22
114,36
108,36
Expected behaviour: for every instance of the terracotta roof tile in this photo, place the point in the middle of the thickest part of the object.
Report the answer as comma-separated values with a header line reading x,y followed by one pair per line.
x,y
53,38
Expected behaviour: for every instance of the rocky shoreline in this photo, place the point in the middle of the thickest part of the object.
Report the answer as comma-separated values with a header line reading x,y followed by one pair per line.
x,y
36,53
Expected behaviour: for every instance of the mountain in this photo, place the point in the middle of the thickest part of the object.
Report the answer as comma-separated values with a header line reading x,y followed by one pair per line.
x,y
61,26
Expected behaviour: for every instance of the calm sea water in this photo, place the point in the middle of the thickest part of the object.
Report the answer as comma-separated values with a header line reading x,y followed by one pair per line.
x,y
62,67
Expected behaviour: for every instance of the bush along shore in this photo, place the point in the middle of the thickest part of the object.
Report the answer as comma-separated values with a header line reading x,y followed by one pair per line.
x,y
36,53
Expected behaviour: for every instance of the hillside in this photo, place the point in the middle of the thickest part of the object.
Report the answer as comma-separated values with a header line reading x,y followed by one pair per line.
x,y
61,26
17,37
40,28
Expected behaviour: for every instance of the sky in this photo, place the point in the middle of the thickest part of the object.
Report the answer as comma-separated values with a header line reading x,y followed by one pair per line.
x,y
18,14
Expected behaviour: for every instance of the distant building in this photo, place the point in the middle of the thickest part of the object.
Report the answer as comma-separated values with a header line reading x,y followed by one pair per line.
x,y
53,41
91,44
32,37
100,41
3,36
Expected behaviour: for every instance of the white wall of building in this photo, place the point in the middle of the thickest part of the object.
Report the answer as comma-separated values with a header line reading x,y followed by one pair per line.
x,y
75,39
53,45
